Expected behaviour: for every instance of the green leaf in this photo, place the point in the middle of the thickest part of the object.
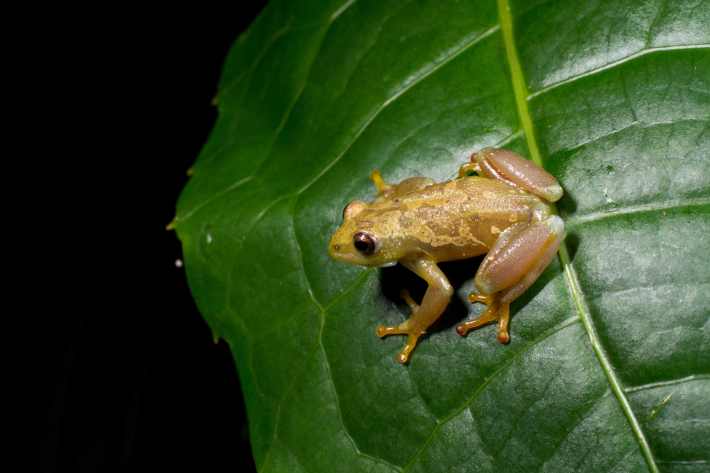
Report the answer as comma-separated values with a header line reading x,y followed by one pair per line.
x,y
609,364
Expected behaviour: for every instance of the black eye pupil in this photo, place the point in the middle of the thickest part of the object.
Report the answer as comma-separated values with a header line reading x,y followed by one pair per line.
x,y
364,243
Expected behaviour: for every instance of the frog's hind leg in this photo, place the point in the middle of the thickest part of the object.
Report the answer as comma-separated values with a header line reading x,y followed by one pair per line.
x,y
511,168
516,260
436,298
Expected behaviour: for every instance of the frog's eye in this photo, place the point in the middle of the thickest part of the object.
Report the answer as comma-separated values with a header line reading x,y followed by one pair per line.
x,y
364,243
353,208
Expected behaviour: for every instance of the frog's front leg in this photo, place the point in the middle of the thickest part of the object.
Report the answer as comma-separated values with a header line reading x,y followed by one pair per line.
x,y
516,260
393,191
379,183
436,298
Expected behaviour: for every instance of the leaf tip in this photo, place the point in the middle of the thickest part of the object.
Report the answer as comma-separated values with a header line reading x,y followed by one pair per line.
x,y
171,226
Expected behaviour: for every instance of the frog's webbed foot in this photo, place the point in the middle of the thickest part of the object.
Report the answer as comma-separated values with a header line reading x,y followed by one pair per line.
x,y
412,334
403,329
496,311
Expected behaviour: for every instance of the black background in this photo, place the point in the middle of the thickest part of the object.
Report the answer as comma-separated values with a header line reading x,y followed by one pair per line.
x,y
133,378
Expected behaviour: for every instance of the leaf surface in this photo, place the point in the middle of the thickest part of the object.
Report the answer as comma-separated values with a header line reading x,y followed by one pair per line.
x,y
609,364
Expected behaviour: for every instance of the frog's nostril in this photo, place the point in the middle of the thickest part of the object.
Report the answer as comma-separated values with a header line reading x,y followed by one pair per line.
x,y
336,247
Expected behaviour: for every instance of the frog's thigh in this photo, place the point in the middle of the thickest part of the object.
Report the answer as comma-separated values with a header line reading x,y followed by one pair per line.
x,y
518,257
509,167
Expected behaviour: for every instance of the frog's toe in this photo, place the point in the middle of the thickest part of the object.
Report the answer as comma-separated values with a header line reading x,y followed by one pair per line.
x,y
403,356
503,320
486,318
496,311
412,339
384,331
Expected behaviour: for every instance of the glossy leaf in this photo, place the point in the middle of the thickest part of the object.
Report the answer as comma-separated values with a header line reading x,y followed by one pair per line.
x,y
609,364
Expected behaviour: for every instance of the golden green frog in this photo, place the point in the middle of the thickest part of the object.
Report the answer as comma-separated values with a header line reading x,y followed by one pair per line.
x,y
504,212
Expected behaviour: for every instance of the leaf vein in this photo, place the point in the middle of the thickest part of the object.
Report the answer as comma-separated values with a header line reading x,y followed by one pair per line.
x,y
611,65
498,372
419,77
632,124
573,286
672,382
583,414
339,410
592,217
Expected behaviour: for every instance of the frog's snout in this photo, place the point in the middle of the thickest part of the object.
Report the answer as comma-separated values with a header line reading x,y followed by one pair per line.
x,y
338,253
333,249
336,249
339,250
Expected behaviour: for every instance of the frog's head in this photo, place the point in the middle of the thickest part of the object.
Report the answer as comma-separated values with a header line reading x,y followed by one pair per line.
x,y
365,237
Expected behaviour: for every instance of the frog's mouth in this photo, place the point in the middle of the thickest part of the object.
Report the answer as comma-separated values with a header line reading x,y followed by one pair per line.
x,y
339,253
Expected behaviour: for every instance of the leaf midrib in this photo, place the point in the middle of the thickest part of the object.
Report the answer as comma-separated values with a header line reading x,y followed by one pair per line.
x,y
572,281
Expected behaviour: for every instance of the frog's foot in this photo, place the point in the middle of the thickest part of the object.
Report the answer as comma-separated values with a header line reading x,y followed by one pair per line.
x,y
402,329
496,311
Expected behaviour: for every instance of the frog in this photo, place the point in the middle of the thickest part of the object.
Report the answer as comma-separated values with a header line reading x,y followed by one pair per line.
x,y
500,205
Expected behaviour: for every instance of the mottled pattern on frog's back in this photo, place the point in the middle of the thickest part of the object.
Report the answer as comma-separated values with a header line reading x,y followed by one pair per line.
x,y
455,219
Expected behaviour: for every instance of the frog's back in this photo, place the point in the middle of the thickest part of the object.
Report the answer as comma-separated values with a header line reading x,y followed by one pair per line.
x,y
473,196
470,211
